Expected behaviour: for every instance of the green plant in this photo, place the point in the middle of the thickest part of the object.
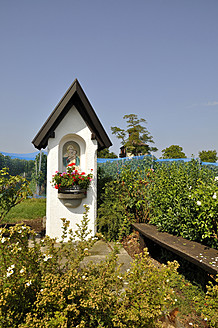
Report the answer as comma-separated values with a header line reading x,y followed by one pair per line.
x,y
71,178
114,168
111,212
182,199
102,179
208,156
124,201
13,190
174,151
210,308
45,285
195,307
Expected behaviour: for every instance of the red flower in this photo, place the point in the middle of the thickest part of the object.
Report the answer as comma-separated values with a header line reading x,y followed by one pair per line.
x,y
56,186
71,164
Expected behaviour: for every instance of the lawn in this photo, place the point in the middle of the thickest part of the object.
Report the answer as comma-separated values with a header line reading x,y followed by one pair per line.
x,y
29,209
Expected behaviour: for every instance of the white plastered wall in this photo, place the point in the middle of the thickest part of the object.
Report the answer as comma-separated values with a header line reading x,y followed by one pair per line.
x,y
71,128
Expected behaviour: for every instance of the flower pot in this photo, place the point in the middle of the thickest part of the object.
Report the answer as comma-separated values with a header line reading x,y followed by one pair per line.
x,y
71,196
74,190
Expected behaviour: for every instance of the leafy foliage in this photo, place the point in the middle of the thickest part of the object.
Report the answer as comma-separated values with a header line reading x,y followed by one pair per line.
x,y
209,156
45,285
210,308
13,189
17,166
105,153
114,168
102,178
183,201
173,151
179,198
123,202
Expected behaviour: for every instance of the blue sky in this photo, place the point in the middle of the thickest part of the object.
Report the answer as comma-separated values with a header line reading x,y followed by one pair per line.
x,y
154,58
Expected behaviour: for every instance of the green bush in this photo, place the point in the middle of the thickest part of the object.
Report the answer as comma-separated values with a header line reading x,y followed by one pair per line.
x,y
44,285
102,179
179,198
124,201
183,199
210,308
112,212
114,168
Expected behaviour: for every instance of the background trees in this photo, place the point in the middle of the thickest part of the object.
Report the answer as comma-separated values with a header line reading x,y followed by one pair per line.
x,y
17,166
136,137
105,153
173,151
33,171
209,156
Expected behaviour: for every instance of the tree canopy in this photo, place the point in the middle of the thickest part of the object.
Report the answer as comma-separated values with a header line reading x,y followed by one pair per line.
x,y
105,153
136,137
17,166
173,151
13,190
209,156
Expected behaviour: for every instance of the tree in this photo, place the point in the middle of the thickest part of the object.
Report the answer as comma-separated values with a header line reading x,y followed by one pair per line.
x,y
136,137
13,189
105,153
173,151
17,166
209,156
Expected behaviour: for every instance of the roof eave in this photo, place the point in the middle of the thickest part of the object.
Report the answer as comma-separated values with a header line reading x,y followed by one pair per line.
x,y
74,94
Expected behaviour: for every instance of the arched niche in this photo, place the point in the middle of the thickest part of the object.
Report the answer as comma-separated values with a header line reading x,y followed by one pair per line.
x,y
72,148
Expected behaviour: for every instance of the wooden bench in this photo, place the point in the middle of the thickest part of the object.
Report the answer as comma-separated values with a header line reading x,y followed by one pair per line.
x,y
198,254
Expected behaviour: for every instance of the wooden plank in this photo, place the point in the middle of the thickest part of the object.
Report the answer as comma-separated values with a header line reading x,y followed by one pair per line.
x,y
200,255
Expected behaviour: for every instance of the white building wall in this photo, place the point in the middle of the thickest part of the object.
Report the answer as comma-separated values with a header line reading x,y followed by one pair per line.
x,y
71,128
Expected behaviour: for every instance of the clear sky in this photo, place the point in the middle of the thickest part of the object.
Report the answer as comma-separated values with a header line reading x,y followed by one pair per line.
x,y
154,58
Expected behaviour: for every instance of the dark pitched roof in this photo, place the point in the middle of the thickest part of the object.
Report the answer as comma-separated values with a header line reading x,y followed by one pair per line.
x,y
74,96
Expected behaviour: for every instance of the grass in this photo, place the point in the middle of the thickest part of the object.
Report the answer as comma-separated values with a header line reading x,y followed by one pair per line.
x,y
29,209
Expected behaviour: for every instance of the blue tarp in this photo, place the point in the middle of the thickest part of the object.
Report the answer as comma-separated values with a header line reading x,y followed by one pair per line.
x,y
32,156
173,160
104,160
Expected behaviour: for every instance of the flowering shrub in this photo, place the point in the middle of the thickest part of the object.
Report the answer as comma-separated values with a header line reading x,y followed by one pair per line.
x,y
210,309
179,198
43,284
71,178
